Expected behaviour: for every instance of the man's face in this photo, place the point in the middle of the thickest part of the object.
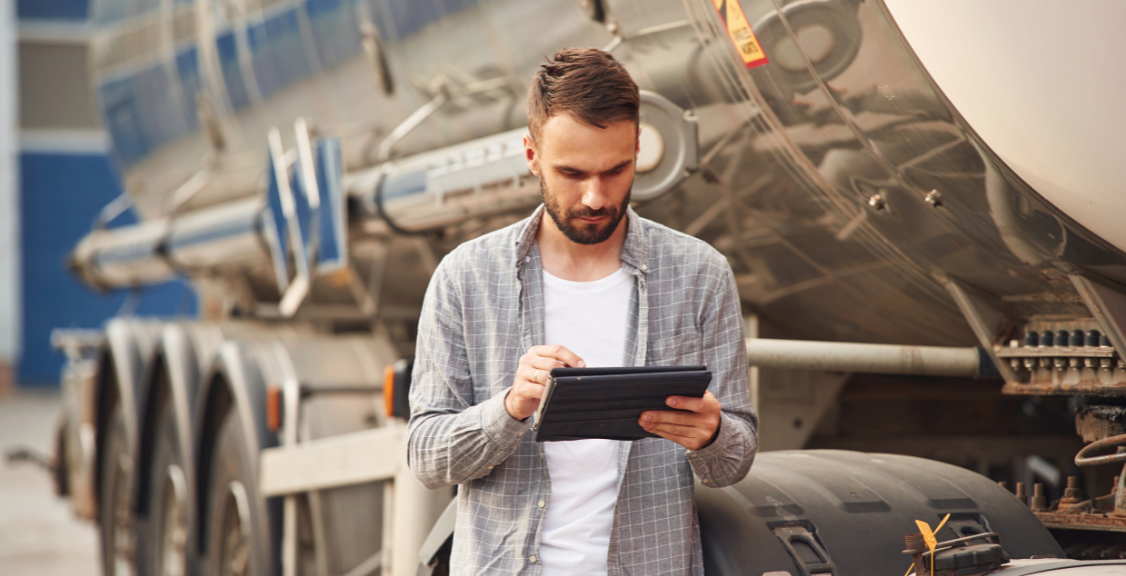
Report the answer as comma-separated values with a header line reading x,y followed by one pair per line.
x,y
586,173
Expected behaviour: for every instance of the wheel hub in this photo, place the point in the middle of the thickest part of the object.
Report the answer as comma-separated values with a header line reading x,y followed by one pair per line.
x,y
174,532
124,545
235,560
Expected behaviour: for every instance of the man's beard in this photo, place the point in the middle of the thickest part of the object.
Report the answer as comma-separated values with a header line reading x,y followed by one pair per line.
x,y
584,233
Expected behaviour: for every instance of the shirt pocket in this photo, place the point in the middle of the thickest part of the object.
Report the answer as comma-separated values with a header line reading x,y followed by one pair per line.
x,y
680,350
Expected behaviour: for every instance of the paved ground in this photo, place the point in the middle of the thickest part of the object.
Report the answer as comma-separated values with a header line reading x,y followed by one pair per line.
x,y
39,536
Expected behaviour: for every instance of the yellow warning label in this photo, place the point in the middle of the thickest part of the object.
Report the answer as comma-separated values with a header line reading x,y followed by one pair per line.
x,y
740,32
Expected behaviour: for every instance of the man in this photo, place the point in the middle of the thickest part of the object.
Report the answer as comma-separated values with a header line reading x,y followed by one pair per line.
x,y
584,282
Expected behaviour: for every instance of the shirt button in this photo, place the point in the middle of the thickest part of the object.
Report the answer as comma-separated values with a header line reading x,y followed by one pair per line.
x,y
705,480
644,267
542,503
533,559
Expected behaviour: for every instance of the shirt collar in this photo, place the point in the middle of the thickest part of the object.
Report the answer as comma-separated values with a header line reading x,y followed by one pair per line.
x,y
635,252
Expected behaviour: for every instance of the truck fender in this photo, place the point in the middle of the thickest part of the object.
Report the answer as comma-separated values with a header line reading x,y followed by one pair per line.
x,y
124,361
233,383
174,377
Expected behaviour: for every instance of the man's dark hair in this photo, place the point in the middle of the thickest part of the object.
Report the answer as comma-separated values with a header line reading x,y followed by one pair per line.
x,y
585,82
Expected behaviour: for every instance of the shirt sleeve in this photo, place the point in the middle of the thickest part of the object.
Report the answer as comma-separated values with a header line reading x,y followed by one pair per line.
x,y
450,440
728,459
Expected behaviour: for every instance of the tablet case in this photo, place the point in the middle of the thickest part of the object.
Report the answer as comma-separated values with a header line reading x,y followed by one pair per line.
x,y
606,403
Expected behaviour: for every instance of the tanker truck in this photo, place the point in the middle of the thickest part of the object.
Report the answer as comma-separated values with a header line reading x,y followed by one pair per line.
x,y
901,188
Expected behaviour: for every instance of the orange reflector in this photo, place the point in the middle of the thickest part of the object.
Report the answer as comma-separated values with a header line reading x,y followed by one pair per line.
x,y
389,390
273,408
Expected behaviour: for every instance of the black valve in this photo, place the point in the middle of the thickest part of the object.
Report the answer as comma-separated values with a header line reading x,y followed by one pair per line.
x,y
1061,338
1076,338
1047,338
1104,341
1031,339
1093,338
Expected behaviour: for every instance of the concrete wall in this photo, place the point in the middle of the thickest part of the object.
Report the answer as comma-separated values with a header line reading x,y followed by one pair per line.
x,y
9,199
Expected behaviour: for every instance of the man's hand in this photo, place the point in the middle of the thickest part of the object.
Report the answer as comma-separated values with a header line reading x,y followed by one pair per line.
x,y
531,377
694,429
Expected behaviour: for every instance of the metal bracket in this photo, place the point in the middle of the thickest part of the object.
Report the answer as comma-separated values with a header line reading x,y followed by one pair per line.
x,y
306,182
795,536
983,314
413,121
280,210
293,292
1108,306
294,219
332,238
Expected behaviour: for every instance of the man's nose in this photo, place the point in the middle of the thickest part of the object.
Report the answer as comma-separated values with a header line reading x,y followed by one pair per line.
x,y
594,193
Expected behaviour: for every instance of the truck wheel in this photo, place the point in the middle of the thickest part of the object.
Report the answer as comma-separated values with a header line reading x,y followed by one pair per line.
x,y
165,542
115,511
234,508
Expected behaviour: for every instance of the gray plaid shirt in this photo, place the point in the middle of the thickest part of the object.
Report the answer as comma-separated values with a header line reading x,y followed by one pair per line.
x,y
483,310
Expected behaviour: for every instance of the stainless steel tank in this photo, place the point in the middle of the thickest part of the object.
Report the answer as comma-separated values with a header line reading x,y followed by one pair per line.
x,y
844,187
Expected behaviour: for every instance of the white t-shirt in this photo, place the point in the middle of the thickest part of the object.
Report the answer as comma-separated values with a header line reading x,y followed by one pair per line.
x,y
588,318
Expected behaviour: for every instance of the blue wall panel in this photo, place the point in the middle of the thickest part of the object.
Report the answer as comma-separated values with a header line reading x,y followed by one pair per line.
x,y
53,9
59,196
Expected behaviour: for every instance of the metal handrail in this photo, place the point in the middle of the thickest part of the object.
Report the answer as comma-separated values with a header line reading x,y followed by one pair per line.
x,y
1083,459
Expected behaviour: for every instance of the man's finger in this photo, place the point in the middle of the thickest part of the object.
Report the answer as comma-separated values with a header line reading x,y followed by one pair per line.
x,y
682,430
686,424
561,353
708,403
526,389
523,398
537,376
685,403
531,391
546,364
654,417
690,442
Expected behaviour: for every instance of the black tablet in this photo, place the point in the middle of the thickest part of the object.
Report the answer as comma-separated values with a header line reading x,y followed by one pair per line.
x,y
606,403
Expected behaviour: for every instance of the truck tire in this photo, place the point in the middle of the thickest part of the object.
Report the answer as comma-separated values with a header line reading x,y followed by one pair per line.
x,y
115,510
235,511
165,544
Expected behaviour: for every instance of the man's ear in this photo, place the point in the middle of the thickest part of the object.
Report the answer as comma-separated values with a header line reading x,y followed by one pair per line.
x,y
530,155
637,147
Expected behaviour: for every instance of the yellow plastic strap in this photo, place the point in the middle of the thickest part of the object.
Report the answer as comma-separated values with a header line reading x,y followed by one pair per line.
x,y
929,536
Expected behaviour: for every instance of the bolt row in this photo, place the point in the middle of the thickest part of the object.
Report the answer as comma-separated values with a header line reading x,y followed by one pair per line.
x,y
1075,338
1065,339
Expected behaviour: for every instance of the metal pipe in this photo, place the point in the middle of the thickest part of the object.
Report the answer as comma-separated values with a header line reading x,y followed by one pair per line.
x,y
869,358
153,251
1084,458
